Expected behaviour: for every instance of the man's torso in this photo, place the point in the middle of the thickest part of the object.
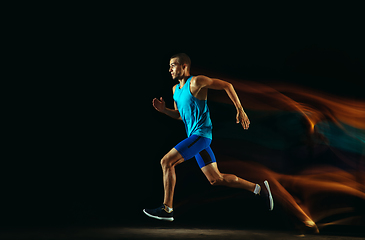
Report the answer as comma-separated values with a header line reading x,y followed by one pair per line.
x,y
192,105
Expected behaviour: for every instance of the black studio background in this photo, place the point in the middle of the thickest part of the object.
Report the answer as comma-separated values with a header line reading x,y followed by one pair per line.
x,y
91,141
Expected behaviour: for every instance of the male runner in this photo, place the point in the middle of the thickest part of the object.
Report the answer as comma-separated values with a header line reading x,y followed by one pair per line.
x,y
190,106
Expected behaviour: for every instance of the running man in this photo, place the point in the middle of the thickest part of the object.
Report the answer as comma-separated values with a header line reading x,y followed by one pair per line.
x,y
190,106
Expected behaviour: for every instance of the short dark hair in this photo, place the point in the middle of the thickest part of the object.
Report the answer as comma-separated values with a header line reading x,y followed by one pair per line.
x,y
183,58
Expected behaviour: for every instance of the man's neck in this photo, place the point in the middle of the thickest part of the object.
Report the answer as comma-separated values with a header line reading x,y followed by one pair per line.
x,y
183,80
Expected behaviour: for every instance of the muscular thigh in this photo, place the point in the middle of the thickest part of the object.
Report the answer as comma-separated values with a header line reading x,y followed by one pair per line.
x,y
211,172
205,157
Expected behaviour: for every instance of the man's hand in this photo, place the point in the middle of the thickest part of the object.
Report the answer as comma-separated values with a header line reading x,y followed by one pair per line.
x,y
159,105
242,118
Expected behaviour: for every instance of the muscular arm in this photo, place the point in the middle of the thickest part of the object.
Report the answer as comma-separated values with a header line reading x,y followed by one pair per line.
x,y
160,106
174,113
217,84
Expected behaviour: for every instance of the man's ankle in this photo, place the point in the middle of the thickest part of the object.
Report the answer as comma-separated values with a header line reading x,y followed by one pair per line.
x,y
168,209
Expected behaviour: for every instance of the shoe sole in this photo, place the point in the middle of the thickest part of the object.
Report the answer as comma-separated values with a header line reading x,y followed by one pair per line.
x,y
270,195
170,219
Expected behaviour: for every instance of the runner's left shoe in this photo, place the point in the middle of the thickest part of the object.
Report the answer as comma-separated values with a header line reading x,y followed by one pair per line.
x,y
160,213
266,194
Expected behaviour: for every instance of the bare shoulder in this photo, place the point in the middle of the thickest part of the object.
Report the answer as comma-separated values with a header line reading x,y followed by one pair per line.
x,y
173,88
200,80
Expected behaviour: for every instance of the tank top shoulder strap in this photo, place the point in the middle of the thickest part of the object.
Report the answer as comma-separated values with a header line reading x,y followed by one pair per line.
x,y
189,79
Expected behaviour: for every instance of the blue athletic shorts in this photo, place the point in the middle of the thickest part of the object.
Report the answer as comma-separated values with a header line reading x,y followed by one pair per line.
x,y
198,147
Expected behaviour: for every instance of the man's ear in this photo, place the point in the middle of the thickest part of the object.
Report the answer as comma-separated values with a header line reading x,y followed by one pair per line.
x,y
184,66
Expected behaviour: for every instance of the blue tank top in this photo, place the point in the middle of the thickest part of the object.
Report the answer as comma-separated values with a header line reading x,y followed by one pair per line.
x,y
194,112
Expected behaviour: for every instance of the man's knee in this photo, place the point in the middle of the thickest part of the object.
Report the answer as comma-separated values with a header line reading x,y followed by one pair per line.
x,y
171,159
163,162
166,161
217,181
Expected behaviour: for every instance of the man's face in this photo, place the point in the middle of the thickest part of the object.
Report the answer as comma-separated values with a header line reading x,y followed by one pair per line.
x,y
176,69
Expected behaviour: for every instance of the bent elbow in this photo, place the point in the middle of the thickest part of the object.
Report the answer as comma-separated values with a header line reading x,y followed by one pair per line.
x,y
228,86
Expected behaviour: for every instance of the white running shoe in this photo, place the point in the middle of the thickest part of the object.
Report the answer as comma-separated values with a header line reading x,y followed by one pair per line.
x,y
266,193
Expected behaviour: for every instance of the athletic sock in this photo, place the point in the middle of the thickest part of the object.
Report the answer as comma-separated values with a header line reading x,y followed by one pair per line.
x,y
168,208
257,189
